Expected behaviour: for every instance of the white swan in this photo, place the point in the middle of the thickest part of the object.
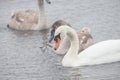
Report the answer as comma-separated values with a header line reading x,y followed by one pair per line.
x,y
84,35
103,52
30,19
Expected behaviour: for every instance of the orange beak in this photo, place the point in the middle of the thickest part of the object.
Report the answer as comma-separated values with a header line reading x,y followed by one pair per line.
x,y
57,43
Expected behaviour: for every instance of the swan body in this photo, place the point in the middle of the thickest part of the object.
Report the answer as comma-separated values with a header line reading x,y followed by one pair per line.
x,y
30,19
24,20
102,52
84,35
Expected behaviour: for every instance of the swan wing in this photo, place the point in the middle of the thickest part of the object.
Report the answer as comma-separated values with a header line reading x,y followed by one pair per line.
x,y
102,52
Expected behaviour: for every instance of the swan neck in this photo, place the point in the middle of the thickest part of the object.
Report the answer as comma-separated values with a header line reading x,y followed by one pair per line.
x,y
42,18
74,42
41,4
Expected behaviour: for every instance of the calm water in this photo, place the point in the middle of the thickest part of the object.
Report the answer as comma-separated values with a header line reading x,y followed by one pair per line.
x,y
21,57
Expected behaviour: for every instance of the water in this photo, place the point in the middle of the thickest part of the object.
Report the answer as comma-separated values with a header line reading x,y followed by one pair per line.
x,y
21,57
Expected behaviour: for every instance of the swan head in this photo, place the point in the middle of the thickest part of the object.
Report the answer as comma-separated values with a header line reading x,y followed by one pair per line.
x,y
60,33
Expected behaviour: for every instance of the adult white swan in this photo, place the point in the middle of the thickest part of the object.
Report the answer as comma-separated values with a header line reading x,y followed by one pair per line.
x,y
103,52
30,19
84,35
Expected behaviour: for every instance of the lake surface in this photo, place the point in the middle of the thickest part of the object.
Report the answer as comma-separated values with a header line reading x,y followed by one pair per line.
x,y
21,57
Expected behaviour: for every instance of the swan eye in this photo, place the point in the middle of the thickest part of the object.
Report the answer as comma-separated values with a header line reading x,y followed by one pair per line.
x,y
57,36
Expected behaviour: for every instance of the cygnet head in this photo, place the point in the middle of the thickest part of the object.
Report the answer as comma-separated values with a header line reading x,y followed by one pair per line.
x,y
48,1
86,30
41,1
55,26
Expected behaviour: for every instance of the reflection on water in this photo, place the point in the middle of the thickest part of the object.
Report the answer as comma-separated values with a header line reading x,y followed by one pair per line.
x,y
75,74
